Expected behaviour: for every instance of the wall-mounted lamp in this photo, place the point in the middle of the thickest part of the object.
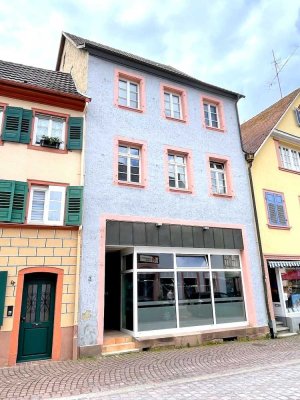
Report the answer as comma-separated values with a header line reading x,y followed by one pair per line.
x,y
158,224
205,228
12,283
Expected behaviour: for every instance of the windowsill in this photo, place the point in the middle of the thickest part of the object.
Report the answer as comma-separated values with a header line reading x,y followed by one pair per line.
x,y
285,228
131,184
175,119
289,170
226,195
47,149
211,128
178,190
138,110
35,226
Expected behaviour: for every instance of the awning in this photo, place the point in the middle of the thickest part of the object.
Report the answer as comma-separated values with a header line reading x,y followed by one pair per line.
x,y
284,264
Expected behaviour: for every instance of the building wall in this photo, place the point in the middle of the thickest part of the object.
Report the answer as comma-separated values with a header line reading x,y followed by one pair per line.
x,y
105,121
75,62
267,175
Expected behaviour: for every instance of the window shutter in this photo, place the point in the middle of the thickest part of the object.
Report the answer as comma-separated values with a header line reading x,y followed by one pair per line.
x,y
12,124
75,133
7,189
19,202
26,126
3,280
74,205
270,198
297,111
280,210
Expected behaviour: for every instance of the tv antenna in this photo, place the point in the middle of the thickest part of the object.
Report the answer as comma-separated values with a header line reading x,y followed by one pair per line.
x,y
279,68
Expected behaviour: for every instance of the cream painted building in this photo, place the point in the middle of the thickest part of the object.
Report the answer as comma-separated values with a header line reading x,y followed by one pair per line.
x,y
41,185
272,143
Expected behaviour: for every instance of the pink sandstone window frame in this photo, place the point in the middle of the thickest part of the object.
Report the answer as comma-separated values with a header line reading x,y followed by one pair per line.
x,y
139,80
142,145
272,226
187,153
220,112
3,108
228,175
277,144
183,101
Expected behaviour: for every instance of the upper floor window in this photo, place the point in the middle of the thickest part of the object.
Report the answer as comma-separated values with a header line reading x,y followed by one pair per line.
x,y
276,210
128,94
290,159
129,160
177,168
297,112
211,115
47,205
49,129
1,119
218,177
129,91
173,105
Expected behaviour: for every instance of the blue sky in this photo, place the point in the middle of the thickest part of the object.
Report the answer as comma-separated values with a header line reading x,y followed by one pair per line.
x,y
226,43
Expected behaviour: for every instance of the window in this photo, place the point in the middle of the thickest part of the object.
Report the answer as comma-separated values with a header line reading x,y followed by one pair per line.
x,y
47,205
297,113
50,127
129,164
172,105
213,115
276,209
218,178
177,167
129,91
290,159
1,120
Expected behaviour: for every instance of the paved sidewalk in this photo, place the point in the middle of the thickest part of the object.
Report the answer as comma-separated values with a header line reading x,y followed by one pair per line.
x,y
161,370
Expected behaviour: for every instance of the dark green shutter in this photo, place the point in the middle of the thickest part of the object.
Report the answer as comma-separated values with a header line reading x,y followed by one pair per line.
x,y
7,189
3,280
12,124
74,205
75,133
19,202
26,126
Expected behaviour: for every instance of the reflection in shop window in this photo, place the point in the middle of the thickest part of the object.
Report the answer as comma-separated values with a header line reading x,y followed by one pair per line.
x,y
291,289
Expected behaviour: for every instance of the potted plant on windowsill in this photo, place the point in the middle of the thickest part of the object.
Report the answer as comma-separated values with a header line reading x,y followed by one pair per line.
x,y
48,141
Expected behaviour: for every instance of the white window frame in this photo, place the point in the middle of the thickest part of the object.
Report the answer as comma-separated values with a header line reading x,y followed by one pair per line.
x,y
216,172
172,94
128,82
129,157
1,119
36,118
290,158
47,190
210,122
175,164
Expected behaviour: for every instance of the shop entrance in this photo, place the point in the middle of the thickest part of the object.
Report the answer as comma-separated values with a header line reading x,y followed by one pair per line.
x,y
112,301
37,316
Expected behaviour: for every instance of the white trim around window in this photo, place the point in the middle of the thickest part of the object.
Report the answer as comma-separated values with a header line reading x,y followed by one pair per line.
x,y
290,158
46,205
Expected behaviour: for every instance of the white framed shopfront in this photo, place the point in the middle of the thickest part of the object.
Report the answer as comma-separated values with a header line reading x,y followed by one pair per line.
x,y
177,252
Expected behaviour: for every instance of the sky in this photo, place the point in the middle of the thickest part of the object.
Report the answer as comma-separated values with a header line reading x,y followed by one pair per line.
x,y
225,43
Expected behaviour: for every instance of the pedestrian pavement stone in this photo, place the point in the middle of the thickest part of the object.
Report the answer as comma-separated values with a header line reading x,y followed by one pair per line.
x,y
235,370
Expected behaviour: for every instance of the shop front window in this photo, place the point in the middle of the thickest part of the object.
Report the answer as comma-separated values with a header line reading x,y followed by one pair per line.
x,y
291,289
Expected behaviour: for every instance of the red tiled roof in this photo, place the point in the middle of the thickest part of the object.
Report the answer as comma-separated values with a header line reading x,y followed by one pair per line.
x,y
256,130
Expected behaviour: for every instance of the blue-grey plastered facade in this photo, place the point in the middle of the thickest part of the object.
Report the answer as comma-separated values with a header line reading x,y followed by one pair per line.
x,y
105,121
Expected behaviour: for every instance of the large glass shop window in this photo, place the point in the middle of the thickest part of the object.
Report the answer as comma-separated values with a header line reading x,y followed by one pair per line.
x,y
202,289
291,289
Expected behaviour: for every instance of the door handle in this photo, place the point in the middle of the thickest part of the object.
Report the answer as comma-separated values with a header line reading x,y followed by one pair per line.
x,y
23,319
35,324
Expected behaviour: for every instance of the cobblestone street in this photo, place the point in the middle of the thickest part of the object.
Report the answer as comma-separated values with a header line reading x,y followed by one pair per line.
x,y
237,370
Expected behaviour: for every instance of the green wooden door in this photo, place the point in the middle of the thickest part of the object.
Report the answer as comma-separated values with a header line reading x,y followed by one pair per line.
x,y
37,315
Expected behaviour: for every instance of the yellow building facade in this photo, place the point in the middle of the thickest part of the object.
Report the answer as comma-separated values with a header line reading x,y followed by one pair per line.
x,y
272,143
41,186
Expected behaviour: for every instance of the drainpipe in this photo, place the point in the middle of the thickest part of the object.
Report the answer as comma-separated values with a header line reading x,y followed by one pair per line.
x,y
250,158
